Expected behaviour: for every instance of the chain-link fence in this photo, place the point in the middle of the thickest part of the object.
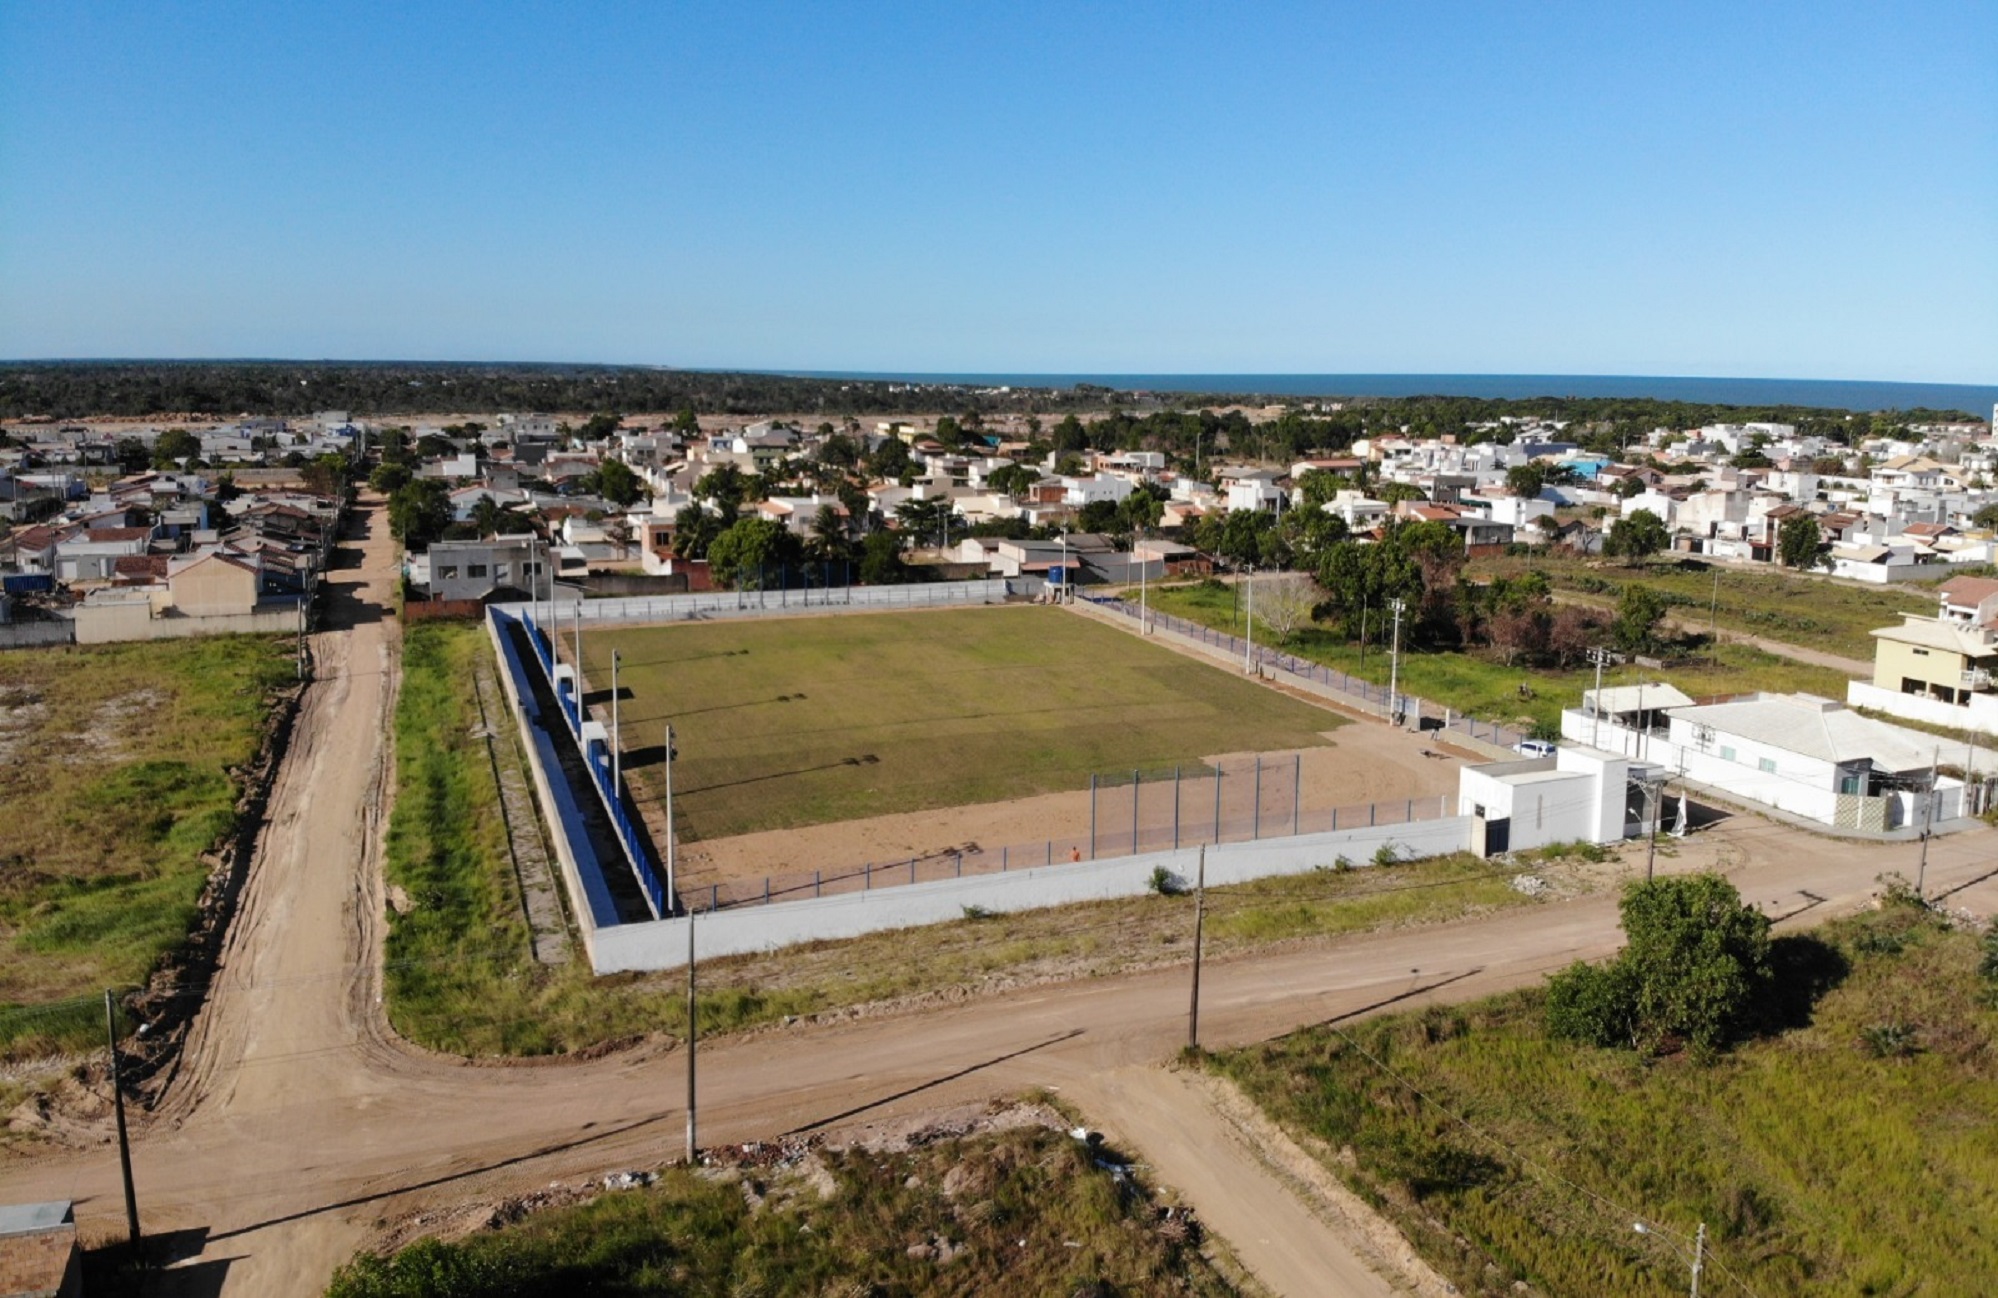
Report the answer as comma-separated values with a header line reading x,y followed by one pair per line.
x,y
1131,812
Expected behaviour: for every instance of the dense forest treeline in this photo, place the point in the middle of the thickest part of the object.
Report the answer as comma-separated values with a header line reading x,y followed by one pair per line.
x,y
80,389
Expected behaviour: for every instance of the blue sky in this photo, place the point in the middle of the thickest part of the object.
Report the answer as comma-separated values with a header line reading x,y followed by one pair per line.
x,y
1805,190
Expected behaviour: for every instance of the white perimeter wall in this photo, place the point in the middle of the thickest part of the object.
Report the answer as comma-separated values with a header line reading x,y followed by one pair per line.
x,y
662,944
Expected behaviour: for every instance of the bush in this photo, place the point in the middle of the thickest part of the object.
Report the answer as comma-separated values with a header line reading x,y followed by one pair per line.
x,y
1890,1040
1388,853
1165,883
1593,1004
1695,969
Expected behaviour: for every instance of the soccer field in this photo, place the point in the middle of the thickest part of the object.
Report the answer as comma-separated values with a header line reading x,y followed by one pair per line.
x,y
803,721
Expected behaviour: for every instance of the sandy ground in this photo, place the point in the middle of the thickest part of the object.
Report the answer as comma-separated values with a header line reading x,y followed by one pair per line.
x,y
1364,763
298,1128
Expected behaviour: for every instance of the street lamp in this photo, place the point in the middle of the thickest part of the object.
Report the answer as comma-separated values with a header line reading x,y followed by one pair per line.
x,y
1698,1256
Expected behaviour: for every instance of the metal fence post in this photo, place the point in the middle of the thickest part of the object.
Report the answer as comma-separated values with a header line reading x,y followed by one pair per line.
x,y
1134,813
1175,808
1092,817
1004,853
817,889
1217,802
867,879
1296,791
1256,812
1409,814
1370,815
912,869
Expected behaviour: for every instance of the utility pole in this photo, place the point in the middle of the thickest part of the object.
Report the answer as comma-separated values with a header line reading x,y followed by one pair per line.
x,y
1394,666
617,736
1699,1257
1363,632
118,1107
693,1032
1713,623
672,892
1928,820
1651,847
1199,927
1599,657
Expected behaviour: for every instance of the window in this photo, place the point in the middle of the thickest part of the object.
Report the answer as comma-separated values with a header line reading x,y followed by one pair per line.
x,y
1921,653
1767,765
1852,784
475,570
449,572
1727,753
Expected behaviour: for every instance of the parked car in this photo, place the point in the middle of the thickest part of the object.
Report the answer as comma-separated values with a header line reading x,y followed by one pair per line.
x,y
1533,748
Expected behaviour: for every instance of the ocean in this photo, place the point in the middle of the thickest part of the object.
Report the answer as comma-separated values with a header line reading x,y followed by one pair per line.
x,y
1834,394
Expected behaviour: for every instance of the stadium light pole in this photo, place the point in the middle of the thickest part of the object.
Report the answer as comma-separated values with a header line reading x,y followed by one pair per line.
x,y
1249,624
693,1035
1394,666
617,735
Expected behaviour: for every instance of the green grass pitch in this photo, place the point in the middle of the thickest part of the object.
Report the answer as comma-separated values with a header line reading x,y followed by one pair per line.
x,y
801,721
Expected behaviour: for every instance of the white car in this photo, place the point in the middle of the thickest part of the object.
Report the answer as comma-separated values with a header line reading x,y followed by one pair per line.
x,y
1533,748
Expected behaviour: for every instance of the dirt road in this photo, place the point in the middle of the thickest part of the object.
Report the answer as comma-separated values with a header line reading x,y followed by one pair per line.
x,y
1781,648
296,1124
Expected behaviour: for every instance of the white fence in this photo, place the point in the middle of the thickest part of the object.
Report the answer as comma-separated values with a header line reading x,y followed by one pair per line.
x,y
714,605
662,944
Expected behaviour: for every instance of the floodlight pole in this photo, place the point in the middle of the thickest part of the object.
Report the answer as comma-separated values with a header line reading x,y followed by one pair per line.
x,y
1598,657
1249,624
617,736
1394,666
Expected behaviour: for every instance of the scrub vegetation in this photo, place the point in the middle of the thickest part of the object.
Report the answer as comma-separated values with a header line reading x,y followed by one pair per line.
x,y
1527,697
120,770
1024,1212
1850,1146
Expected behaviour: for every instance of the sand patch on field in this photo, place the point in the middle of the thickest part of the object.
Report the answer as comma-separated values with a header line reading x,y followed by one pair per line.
x,y
1362,764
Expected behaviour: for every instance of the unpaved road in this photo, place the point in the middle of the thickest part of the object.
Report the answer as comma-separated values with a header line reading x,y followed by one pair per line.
x,y
297,1124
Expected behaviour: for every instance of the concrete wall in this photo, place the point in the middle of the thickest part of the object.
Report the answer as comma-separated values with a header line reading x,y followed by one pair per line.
x,y
757,603
662,944
1980,714
108,623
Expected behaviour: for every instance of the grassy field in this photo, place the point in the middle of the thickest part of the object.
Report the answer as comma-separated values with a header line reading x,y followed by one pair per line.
x,y
802,721
461,976
118,770
1016,1213
1809,610
1856,1154
1491,690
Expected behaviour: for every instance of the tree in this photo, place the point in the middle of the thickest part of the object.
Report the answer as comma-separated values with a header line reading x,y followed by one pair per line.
x,y
890,460
1635,626
839,451
881,559
388,476
1986,517
133,457
1693,968
694,530
1631,486
486,515
617,530
326,475
618,484
173,447
749,552
928,522
1636,536
1526,480
419,511
830,541
1798,541
686,421
1012,479
1285,603
726,487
